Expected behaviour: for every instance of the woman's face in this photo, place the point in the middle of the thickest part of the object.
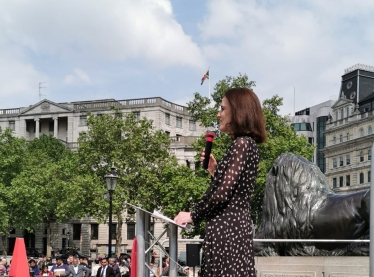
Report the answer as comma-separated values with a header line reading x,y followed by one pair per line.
x,y
224,116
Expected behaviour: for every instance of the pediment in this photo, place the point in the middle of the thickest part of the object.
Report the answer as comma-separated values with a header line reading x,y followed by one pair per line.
x,y
45,106
341,102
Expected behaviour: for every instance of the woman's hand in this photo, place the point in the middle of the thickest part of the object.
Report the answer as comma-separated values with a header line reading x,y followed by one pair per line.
x,y
183,218
212,162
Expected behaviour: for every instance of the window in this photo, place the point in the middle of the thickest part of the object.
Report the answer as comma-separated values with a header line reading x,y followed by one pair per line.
x,y
192,125
114,230
361,156
334,140
369,154
334,163
370,130
83,120
348,160
30,126
167,118
347,136
341,161
178,137
137,115
333,182
179,122
361,132
12,125
347,111
341,138
51,126
77,228
310,140
361,178
369,173
94,231
63,231
340,181
347,180
130,231
167,133
341,113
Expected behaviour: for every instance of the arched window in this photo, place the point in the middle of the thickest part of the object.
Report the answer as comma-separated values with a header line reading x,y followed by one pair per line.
x,y
361,132
369,154
334,140
361,156
347,136
361,178
341,138
370,130
369,173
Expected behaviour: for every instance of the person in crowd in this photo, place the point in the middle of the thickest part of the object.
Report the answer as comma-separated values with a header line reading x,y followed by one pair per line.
x,y
114,265
105,270
69,260
45,272
60,269
79,270
42,262
225,204
3,269
34,270
50,264
95,266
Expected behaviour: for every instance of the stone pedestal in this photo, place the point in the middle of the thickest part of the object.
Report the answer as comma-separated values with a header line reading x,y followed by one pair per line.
x,y
312,266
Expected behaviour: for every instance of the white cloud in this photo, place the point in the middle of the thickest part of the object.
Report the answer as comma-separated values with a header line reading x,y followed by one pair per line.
x,y
78,77
101,31
283,45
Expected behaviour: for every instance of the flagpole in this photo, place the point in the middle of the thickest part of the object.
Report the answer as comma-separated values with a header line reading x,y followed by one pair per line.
x,y
209,83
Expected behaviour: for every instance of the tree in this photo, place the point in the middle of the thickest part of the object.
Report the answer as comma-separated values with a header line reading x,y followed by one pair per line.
x,y
280,136
50,187
12,151
139,152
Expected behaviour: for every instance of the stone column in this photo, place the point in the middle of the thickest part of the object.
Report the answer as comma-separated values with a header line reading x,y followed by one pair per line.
x,y
37,127
55,127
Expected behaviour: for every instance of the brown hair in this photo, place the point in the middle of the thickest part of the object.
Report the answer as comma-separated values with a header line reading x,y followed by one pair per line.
x,y
247,118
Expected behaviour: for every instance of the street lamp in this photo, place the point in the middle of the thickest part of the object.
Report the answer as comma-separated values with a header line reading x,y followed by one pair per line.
x,y
111,181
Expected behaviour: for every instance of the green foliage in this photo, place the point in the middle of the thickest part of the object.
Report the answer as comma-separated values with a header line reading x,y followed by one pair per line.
x,y
280,136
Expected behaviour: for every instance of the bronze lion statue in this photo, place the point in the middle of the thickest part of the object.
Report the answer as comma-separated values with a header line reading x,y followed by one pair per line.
x,y
298,204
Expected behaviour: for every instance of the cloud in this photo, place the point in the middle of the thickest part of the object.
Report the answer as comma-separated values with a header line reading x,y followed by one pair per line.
x,y
78,77
282,45
101,31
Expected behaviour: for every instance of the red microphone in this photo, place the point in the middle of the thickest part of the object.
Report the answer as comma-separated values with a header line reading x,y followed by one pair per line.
x,y
209,137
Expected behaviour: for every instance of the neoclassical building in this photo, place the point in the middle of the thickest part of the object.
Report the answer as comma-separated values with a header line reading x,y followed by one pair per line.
x,y
66,121
349,132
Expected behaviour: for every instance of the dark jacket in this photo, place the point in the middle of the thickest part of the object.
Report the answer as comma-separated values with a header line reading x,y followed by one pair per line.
x,y
109,272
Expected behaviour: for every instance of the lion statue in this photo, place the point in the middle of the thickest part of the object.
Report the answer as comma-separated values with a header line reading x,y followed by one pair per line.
x,y
298,204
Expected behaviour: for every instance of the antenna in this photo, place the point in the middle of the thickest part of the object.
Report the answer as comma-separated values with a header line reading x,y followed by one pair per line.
x,y
40,87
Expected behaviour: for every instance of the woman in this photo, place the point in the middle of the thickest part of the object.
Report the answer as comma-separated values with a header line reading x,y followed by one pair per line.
x,y
45,271
225,205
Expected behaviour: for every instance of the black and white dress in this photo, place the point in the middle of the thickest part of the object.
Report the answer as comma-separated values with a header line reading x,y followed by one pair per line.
x,y
228,242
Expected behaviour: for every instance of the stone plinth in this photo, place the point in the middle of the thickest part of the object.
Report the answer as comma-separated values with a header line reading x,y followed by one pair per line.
x,y
312,266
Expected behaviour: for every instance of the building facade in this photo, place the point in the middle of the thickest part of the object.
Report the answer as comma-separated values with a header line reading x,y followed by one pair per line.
x,y
65,121
311,122
349,132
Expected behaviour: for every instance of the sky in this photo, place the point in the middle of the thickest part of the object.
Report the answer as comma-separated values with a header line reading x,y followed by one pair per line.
x,y
128,49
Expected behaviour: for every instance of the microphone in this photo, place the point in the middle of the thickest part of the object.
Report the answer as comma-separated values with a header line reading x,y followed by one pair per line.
x,y
209,137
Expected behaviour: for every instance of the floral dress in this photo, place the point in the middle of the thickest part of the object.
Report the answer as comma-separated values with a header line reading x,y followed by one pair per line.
x,y
228,242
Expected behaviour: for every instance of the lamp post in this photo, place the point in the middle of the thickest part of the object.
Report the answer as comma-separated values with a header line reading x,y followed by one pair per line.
x,y
111,181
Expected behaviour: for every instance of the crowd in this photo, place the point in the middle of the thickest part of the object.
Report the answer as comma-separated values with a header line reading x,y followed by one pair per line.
x,y
82,267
